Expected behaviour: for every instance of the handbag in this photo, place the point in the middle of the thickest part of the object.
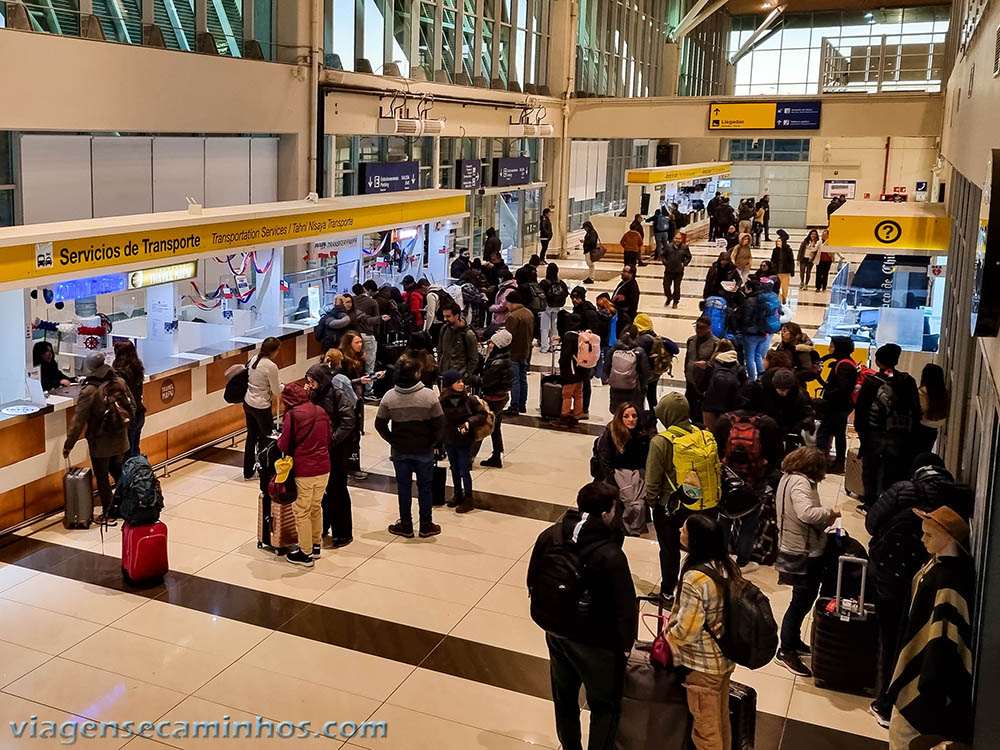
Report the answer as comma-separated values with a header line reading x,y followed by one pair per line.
x,y
486,428
660,652
597,253
738,498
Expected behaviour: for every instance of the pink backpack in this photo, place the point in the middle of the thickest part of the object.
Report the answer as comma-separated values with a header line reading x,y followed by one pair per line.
x,y
588,349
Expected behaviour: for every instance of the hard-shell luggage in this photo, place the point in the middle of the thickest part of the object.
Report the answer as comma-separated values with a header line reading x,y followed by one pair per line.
x,y
275,525
550,398
78,490
144,552
853,483
845,638
742,715
654,702
838,544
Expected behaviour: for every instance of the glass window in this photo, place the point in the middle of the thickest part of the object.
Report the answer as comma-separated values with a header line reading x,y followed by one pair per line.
x,y
374,50
6,159
6,208
343,32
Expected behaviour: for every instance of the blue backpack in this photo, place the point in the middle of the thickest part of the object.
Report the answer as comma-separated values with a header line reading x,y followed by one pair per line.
x,y
770,309
715,310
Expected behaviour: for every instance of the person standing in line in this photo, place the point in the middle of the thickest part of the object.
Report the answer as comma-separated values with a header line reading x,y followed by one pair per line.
x,y
571,377
129,368
742,255
463,415
366,318
461,264
521,325
838,402
104,410
765,217
826,258
697,614
713,228
802,524
751,314
353,367
590,243
609,331
626,297
545,231
700,349
495,383
457,346
935,406
305,434
410,420
263,387
631,243
619,459
676,257
338,401
783,262
556,293
809,250
587,643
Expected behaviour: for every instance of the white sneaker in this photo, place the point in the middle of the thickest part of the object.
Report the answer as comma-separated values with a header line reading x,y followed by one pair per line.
x,y
750,567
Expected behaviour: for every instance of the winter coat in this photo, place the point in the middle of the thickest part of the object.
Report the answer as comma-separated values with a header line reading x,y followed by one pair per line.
x,y
838,392
89,408
365,315
661,477
676,258
791,412
591,319
805,358
458,350
772,443
724,216
613,620
590,241
305,433
545,228
460,409
723,392
492,245
415,301
459,266
717,274
497,376
742,257
698,350
631,241
802,519
521,324
904,383
500,308
569,373
410,419
783,259
333,324
808,252
610,459
338,405
628,305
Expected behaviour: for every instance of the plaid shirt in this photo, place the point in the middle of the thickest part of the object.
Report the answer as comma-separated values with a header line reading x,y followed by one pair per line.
x,y
699,599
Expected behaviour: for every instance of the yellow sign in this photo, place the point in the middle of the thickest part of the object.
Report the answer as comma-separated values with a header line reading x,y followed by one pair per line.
x,y
162,275
895,233
24,262
674,174
749,116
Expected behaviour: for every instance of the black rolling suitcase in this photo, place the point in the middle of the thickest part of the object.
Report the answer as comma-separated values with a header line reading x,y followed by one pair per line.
x,y
845,638
550,398
742,715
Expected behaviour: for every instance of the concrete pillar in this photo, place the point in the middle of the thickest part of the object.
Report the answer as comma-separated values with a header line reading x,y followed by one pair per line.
x,y
671,69
562,47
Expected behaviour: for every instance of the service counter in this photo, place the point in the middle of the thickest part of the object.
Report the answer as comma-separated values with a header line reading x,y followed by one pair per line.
x,y
186,336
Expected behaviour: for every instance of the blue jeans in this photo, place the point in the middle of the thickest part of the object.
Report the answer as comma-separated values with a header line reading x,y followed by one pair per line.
x,y
598,371
519,388
662,238
460,459
745,529
135,435
754,349
406,465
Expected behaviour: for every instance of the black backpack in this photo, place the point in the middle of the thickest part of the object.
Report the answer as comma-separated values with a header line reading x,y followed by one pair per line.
x,y
137,494
237,383
537,301
444,300
560,594
892,409
749,632
556,293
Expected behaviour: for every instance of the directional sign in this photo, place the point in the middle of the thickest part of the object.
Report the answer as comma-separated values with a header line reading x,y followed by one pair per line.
x,y
764,116
469,174
513,171
389,177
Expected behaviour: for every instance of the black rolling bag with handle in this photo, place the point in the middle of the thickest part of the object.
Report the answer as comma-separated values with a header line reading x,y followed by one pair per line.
x,y
845,638
550,399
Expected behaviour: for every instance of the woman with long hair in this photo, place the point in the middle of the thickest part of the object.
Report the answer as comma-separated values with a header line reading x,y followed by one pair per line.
x,y
263,387
590,243
697,614
805,359
129,367
935,406
802,523
620,460
808,250
352,348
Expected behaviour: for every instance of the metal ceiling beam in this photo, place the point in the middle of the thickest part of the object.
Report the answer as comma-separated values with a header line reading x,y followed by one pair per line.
x,y
759,35
699,12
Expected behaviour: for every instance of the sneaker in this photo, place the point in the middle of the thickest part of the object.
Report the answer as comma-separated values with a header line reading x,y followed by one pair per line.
x,y
337,543
317,549
493,462
883,720
466,505
457,499
359,476
298,557
429,528
750,567
588,280
793,663
402,528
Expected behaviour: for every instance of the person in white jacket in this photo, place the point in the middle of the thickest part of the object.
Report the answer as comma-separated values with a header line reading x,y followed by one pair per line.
x,y
802,524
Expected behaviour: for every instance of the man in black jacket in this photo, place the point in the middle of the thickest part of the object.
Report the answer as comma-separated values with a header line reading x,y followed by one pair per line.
x,y
626,297
545,231
588,628
713,204
897,553
676,257
725,217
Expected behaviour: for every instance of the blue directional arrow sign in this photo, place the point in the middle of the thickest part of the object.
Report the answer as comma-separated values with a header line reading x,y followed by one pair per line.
x,y
797,116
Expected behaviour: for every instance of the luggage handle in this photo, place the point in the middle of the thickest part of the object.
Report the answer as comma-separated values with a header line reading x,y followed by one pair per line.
x,y
846,615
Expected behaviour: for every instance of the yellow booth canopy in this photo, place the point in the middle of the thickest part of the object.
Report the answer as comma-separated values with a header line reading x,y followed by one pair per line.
x,y
890,226
658,175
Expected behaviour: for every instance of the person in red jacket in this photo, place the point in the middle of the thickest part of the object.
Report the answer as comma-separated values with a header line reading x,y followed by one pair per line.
x,y
305,436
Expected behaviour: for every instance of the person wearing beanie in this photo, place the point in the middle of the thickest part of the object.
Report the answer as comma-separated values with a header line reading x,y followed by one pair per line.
x,y
885,415
495,383
700,348
724,385
838,400
463,416
897,553
521,325
783,262
722,271
104,409
785,401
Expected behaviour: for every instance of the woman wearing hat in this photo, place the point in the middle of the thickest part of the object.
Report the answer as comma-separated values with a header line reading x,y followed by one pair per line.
x,y
495,383
463,415
931,689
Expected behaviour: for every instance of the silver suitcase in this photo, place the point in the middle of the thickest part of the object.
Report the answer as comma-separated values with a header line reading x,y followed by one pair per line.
x,y
78,491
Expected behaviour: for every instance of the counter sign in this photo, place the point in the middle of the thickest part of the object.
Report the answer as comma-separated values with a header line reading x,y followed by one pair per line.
x,y
167,391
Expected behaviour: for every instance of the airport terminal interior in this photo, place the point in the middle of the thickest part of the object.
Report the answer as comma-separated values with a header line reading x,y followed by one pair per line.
x,y
459,191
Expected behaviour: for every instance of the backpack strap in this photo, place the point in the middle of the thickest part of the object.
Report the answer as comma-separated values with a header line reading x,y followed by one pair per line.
x,y
722,583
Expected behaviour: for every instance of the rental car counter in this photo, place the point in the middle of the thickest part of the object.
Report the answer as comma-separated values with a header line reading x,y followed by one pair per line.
x,y
197,291
895,294
690,186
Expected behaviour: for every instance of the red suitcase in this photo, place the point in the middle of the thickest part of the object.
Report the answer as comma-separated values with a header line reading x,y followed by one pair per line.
x,y
144,551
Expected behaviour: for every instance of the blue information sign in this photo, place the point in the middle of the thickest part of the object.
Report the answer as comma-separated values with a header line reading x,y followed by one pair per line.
x,y
512,171
469,174
389,177
797,116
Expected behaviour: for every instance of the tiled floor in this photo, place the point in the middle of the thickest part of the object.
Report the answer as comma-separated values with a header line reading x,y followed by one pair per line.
x,y
431,636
